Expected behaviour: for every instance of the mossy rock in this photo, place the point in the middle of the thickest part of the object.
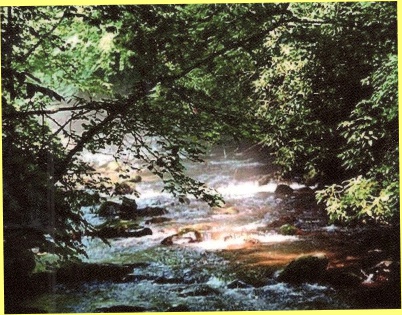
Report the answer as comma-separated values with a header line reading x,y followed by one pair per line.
x,y
288,229
283,190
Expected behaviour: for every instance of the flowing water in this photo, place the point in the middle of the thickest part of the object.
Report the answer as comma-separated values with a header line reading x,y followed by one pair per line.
x,y
232,268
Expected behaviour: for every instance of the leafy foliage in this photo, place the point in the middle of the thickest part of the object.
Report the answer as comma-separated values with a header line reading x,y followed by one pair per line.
x,y
329,102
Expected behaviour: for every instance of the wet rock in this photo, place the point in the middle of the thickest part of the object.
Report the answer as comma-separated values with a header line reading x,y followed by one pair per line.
x,y
310,268
289,229
169,280
341,277
200,290
123,189
282,221
188,235
128,208
157,220
178,308
120,228
121,309
109,208
151,212
238,284
386,271
137,278
304,191
283,190
115,233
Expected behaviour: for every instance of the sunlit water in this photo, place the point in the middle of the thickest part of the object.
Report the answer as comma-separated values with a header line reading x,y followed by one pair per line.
x,y
199,277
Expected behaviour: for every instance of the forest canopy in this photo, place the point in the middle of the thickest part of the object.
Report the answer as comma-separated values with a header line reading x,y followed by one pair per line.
x,y
315,83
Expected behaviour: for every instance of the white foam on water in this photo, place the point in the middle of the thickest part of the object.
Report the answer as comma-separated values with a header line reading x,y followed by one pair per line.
x,y
246,189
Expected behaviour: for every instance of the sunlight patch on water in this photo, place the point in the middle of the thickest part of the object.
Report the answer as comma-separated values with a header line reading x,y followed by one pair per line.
x,y
249,240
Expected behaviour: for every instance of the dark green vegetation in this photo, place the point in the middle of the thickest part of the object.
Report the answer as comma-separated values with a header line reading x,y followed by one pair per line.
x,y
316,83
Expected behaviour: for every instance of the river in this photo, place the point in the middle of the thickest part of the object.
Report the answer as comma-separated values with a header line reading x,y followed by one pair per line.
x,y
233,268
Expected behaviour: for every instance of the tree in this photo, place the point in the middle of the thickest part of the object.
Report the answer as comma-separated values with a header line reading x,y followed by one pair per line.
x,y
329,100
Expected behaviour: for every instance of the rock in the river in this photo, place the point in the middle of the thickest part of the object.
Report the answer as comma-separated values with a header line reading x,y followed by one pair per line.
x,y
151,212
120,228
289,229
157,220
109,208
304,191
128,208
189,235
311,268
168,280
121,309
283,190
199,290
238,284
343,278
123,188
283,220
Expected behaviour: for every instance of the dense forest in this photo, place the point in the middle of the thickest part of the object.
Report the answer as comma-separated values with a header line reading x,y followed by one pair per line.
x,y
312,84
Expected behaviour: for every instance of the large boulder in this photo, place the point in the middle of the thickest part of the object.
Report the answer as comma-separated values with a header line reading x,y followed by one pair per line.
x,y
311,268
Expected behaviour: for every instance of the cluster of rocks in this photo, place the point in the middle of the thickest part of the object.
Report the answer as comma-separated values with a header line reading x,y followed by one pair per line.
x,y
122,219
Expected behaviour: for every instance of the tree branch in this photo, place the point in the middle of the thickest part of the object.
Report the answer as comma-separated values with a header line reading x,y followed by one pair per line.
x,y
85,138
38,112
227,48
